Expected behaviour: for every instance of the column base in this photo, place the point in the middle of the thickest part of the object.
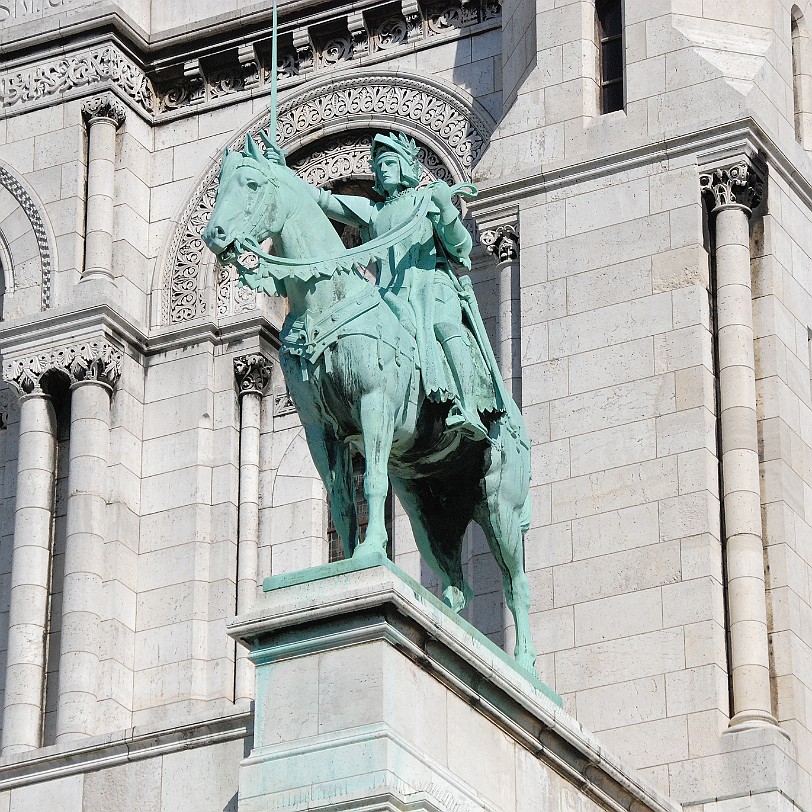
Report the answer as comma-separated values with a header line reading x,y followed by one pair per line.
x,y
749,719
371,694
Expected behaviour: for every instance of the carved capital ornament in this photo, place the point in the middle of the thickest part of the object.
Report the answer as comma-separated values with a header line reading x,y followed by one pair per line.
x,y
502,242
91,361
253,374
734,185
106,106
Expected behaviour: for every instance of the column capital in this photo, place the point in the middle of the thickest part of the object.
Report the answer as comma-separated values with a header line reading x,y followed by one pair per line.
x,y
253,373
502,242
97,361
93,360
106,106
735,184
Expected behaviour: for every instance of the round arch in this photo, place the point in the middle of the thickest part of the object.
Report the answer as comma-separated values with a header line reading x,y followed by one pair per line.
x,y
33,243
321,126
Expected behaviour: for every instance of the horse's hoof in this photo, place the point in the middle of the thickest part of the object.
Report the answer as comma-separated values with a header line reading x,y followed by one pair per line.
x,y
368,549
454,598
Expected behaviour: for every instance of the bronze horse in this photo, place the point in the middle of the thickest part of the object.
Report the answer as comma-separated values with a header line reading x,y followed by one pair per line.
x,y
351,368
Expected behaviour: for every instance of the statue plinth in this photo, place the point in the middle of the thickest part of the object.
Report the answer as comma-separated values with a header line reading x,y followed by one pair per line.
x,y
371,695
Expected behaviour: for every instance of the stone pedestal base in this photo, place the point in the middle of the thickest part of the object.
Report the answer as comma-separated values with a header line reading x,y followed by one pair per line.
x,y
371,695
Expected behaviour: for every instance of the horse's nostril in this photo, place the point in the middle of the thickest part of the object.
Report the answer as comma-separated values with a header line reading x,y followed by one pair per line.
x,y
219,232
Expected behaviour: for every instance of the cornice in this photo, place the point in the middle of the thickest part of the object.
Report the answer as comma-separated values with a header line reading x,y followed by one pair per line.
x,y
719,146
73,325
120,747
95,53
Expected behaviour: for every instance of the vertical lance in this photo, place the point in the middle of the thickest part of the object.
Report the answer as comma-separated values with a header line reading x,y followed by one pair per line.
x,y
274,58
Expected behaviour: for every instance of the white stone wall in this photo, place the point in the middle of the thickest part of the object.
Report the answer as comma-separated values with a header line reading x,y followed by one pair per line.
x,y
625,551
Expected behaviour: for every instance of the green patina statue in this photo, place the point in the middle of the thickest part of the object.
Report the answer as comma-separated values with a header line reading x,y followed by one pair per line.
x,y
401,370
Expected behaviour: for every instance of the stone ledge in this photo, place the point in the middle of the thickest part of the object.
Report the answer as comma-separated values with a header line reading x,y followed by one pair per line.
x,y
120,747
365,611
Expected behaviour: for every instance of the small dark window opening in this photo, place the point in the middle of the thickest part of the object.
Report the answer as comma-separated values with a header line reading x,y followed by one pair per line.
x,y
609,23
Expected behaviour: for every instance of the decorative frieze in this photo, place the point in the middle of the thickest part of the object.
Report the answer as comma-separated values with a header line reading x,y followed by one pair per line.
x,y
253,373
81,70
90,360
106,106
502,242
738,184
190,84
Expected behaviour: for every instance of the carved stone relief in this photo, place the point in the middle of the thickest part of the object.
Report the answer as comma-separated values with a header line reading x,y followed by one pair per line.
x,y
738,185
20,194
89,360
76,71
444,119
502,242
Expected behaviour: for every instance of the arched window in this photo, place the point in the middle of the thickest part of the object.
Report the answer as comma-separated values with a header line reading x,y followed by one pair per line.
x,y
609,36
802,78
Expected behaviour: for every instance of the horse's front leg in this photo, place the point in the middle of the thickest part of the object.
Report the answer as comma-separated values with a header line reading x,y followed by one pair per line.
x,y
377,426
334,464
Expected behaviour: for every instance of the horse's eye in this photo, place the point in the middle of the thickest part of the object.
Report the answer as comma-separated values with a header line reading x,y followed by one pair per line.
x,y
252,185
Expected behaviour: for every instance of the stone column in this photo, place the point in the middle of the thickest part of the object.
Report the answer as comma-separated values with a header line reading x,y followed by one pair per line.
x,y
104,115
253,374
736,190
503,243
31,563
95,369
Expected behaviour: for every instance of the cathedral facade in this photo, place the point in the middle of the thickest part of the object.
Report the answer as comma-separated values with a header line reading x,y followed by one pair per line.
x,y
643,263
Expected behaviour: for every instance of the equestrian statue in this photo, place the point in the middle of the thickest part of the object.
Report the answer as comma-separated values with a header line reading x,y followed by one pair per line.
x,y
400,369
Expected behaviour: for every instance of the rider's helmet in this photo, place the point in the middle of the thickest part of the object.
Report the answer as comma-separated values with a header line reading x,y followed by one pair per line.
x,y
406,150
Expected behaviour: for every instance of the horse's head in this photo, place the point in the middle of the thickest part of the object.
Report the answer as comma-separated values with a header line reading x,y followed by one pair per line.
x,y
246,204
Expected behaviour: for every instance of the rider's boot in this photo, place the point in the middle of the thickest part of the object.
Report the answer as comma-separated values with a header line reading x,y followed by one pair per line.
x,y
463,415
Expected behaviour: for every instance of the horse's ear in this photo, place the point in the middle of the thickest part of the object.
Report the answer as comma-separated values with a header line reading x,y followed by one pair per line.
x,y
226,153
266,139
251,147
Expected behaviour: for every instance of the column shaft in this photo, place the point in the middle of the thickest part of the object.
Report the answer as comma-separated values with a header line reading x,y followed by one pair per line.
x,y
248,537
100,183
740,470
82,592
510,327
30,575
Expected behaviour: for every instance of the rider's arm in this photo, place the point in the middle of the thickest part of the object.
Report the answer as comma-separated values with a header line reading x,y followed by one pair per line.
x,y
448,225
350,209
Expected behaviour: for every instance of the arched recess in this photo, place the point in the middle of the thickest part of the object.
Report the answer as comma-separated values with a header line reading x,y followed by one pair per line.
x,y
324,127
802,77
27,248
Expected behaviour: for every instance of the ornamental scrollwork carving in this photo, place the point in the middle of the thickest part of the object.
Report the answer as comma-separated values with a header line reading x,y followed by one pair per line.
x,y
252,373
77,71
502,242
96,360
391,32
106,106
444,118
737,184
20,194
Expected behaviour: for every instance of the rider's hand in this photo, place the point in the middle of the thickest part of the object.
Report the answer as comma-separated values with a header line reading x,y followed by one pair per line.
x,y
274,154
441,197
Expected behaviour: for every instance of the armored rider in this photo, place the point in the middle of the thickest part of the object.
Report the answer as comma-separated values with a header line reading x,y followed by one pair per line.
x,y
416,277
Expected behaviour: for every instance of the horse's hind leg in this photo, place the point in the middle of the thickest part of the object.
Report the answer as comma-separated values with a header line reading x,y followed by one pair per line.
x,y
438,528
377,427
502,514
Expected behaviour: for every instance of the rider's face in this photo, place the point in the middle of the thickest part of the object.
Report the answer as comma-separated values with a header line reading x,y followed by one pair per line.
x,y
387,170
